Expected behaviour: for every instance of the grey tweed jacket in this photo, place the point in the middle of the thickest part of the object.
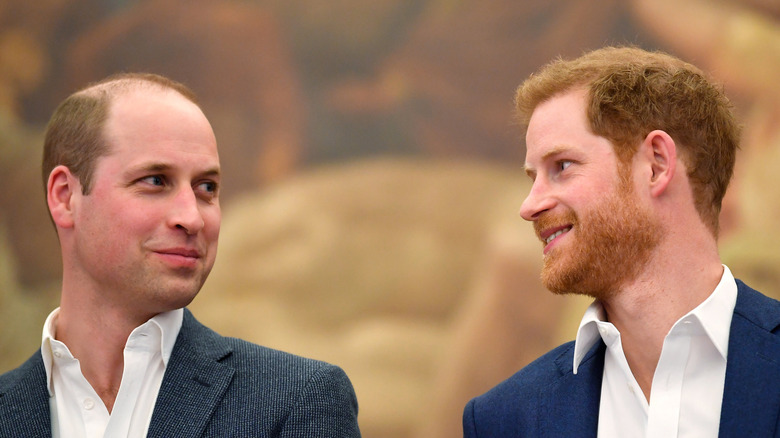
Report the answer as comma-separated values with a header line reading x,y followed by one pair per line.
x,y
213,386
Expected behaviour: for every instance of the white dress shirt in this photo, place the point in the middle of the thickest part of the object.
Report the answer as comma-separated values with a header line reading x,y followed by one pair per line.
x,y
687,388
77,410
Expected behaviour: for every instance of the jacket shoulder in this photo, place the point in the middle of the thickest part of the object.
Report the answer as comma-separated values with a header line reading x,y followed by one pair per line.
x,y
292,394
252,359
532,379
539,399
32,368
317,397
512,408
24,400
247,358
757,308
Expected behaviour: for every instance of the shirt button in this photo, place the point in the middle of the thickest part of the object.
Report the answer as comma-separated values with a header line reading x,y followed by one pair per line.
x,y
89,404
57,354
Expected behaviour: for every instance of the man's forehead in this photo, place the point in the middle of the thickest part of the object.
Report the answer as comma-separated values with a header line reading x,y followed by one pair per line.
x,y
150,125
148,111
136,96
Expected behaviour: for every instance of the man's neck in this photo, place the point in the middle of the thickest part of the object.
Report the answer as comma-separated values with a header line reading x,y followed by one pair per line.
x,y
97,338
645,311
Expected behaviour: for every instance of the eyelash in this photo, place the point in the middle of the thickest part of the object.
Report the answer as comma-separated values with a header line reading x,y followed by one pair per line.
x,y
563,165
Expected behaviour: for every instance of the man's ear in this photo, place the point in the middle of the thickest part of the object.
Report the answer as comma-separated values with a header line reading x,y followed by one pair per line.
x,y
661,152
61,187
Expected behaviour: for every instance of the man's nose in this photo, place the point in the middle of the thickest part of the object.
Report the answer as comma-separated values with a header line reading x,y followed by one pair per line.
x,y
537,201
185,213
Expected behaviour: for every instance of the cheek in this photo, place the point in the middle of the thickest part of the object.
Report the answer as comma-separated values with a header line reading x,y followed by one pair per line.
x,y
212,222
137,218
590,196
107,235
109,218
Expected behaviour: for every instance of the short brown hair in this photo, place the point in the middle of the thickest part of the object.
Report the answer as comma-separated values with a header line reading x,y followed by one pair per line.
x,y
74,134
632,92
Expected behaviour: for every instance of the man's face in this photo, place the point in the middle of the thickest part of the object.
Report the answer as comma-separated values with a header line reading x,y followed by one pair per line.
x,y
145,238
596,234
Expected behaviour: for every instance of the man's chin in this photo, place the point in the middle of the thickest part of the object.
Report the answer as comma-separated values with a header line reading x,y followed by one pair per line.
x,y
555,277
556,282
176,295
575,281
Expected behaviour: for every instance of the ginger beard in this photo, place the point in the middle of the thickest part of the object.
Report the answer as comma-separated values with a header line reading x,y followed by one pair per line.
x,y
610,244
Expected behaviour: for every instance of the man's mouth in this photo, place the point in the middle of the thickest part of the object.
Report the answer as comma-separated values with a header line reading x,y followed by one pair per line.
x,y
551,228
182,252
552,236
180,257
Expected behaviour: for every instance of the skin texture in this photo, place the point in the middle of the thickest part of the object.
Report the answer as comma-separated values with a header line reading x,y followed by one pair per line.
x,y
145,238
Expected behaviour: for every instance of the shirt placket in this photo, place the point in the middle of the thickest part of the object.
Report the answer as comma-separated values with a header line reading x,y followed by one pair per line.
x,y
664,408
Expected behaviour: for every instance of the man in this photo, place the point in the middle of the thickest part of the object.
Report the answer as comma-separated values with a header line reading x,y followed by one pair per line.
x,y
630,154
132,180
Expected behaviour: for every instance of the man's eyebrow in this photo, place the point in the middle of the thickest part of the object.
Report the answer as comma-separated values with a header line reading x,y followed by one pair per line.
x,y
148,167
155,167
556,150
162,167
212,172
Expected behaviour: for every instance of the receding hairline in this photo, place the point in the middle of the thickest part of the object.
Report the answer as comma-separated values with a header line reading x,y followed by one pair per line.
x,y
126,83
113,89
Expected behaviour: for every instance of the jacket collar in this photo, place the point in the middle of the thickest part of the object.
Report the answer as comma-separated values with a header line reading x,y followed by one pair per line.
x,y
571,406
751,396
195,382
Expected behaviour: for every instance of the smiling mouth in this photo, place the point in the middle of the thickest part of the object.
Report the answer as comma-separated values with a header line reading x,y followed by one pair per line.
x,y
180,252
180,261
552,236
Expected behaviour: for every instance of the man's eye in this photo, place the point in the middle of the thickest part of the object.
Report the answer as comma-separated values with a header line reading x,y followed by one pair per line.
x,y
564,164
155,180
209,187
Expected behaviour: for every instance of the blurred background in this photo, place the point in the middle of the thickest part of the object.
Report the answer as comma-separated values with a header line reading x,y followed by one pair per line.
x,y
372,170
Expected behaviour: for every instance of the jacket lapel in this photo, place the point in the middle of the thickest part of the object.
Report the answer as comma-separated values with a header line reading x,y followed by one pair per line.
x,y
24,401
751,394
194,383
571,407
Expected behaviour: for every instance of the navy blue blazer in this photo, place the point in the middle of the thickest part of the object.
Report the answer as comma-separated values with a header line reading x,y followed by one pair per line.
x,y
213,387
545,399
